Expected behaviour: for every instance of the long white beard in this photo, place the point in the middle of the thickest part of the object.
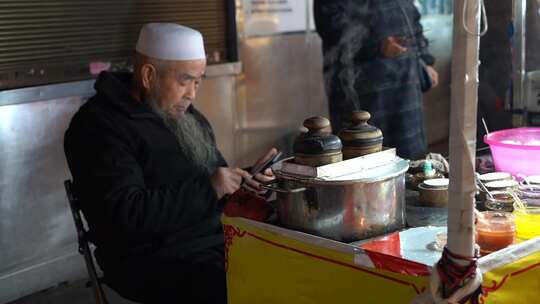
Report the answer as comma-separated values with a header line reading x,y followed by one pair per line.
x,y
194,140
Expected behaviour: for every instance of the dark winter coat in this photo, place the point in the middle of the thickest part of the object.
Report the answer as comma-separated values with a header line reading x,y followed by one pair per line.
x,y
142,198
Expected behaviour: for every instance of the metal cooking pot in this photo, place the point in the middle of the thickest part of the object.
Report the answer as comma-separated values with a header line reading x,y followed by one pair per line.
x,y
347,208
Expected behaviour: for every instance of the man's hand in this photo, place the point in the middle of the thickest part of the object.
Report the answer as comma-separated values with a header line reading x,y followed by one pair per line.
x,y
253,182
434,75
393,46
227,180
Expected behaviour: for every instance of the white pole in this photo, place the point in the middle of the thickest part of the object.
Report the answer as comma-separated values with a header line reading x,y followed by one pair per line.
x,y
462,187
463,127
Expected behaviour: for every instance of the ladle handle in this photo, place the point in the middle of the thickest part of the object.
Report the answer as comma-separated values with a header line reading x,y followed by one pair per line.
x,y
482,186
270,186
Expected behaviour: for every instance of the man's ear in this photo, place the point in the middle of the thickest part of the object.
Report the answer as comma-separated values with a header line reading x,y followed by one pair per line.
x,y
148,76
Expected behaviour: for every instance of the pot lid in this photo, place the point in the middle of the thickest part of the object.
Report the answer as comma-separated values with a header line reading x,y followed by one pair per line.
x,y
501,184
534,179
396,167
494,176
360,132
436,183
318,139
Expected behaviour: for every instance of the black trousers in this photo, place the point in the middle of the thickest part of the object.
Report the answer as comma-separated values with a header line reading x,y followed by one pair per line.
x,y
199,278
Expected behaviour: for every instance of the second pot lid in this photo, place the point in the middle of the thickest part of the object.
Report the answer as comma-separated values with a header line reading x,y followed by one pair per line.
x,y
360,132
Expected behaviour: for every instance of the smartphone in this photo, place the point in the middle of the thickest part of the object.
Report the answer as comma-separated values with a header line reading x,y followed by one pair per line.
x,y
262,167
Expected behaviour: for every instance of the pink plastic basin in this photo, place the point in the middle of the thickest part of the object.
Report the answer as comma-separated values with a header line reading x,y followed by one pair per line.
x,y
516,151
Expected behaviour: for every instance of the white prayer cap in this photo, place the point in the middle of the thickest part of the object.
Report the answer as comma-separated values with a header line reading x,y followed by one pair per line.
x,y
170,41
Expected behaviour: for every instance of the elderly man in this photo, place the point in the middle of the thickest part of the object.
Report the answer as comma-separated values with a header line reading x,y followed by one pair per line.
x,y
150,177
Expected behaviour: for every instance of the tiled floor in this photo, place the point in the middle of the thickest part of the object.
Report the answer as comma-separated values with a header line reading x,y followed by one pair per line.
x,y
70,293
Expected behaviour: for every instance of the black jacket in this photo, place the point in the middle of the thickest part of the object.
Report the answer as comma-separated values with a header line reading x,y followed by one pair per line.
x,y
139,193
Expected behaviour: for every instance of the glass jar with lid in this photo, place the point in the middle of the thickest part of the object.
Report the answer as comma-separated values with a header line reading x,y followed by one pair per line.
x,y
501,201
495,231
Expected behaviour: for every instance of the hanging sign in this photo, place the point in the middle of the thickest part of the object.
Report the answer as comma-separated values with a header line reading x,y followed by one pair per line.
x,y
269,17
